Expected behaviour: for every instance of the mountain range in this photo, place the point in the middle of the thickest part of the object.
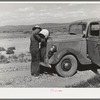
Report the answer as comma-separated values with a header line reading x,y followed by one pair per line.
x,y
52,27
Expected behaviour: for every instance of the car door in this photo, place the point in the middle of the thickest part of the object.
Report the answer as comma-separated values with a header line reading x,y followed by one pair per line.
x,y
93,42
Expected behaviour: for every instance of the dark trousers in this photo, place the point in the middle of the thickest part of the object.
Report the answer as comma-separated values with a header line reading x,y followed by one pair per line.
x,y
42,53
35,61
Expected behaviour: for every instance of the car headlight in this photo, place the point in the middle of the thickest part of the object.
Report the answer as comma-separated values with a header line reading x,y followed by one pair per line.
x,y
52,50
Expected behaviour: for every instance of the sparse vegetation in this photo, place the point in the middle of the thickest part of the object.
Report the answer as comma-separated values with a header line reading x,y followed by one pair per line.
x,y
2,49
9,51
22,57
3,59
10,56
93,82
11,48
27,32
15,58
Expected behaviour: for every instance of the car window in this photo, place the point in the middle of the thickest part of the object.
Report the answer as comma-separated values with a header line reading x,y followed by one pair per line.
x,y
94,29
77,28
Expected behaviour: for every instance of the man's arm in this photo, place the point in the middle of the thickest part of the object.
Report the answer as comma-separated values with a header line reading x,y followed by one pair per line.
x,y
38,38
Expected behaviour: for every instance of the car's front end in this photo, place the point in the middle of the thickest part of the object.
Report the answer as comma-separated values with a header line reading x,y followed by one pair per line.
x,y
57,46
67,51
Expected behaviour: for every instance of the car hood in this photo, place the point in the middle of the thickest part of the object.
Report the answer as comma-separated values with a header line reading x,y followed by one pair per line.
x,y
62,38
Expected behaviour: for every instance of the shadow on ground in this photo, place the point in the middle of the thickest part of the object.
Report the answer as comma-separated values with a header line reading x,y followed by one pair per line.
x,y
91,67
51,71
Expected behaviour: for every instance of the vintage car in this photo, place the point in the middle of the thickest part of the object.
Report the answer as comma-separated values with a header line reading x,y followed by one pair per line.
x,y
80,46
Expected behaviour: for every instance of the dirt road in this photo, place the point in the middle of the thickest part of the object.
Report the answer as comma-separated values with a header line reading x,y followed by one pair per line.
x,y
18,75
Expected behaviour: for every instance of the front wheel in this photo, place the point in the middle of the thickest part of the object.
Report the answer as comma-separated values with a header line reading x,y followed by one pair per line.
x,y
67,66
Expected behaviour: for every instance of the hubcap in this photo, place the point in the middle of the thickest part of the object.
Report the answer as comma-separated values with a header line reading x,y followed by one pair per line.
x,y
66,65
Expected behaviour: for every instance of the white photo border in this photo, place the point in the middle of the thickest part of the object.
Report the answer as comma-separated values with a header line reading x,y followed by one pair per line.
x,y
47,93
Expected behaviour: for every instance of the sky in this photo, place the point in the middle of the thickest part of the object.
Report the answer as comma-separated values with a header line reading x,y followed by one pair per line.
x,y
36,13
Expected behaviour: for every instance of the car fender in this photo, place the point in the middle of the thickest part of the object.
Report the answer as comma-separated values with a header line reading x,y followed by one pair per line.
x,y
59,54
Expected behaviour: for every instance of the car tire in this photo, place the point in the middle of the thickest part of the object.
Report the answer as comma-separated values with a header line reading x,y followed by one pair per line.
x,y
67,66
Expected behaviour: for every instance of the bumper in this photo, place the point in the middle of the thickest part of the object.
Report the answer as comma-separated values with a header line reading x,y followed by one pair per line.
x,y
45,64
48,62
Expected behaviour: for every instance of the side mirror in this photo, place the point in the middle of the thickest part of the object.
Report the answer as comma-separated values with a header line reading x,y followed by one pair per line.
x,y
84,34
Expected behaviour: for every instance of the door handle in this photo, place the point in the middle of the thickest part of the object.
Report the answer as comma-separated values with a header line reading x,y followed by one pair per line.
x,y
97,45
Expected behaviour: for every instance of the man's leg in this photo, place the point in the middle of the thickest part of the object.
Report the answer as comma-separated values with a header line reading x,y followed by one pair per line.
x,y
35,62
43,54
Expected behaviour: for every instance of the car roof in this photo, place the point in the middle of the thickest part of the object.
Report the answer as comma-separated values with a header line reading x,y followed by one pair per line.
x,y
86,20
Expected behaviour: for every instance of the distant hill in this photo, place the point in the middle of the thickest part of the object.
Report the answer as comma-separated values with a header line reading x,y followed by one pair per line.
x,y
52,27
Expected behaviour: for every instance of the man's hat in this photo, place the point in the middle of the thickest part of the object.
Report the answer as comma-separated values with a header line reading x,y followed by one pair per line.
x,y
36,27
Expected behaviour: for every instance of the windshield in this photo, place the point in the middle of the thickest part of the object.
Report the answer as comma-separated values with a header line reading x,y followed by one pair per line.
x,y
76,29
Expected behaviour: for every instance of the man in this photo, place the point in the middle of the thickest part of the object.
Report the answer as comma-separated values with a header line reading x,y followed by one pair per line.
x,y
34,50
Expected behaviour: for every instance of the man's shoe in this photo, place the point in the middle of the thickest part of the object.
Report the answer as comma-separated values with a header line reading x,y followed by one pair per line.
x,y
35,75
45,64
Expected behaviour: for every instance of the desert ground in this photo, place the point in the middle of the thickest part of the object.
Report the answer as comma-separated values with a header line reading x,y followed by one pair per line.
x,y
15,71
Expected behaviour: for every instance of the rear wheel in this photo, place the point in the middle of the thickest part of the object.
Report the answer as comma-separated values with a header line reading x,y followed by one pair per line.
x,y
67,66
